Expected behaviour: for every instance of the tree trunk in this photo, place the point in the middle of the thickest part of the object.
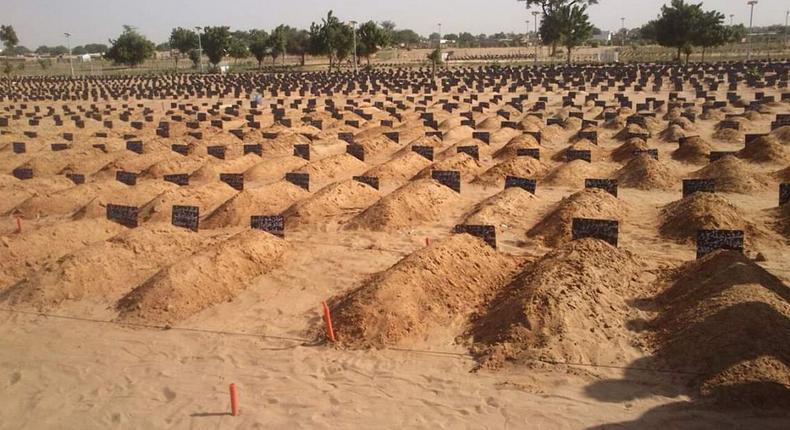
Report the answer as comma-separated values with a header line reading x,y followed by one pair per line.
x,y
553,49
259,64
569,54
678,57
703,55
303,57
176,57
687,59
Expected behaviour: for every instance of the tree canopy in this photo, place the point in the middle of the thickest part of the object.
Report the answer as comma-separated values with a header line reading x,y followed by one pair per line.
x,y
8,36
130,48
216,42
683,25
370,38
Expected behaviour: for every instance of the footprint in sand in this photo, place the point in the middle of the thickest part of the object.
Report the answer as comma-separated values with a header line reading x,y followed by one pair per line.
x,y
169,394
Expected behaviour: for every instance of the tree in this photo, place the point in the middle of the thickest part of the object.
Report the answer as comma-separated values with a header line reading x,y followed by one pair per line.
x,y
216,41
79,50
58,50
433,37
677,26
574,26
331,38
370,38
436,58
548,7
388,27
737,33
711,31
298,43
406,37
259,45
238,49
8,36
550,28
96,48
184,41
278,42
466,40
130,48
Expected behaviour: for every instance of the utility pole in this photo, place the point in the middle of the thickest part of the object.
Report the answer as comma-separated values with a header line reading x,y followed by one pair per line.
x,y
787,16
200,49
68,44
537,36
354,30
622,26
731,17
751,17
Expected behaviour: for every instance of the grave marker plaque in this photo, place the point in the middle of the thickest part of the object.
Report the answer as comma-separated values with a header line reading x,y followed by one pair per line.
x,y
23,173
425,151
590,135
274,224
530,185
55,147
186,216
581,154
179,148
393,136
606,230
303,151
127,178
235,180
373,181
254,148
448,178
19,147
653,152
346,137
485,232
483,136
471,150
299,179
216,151
123,215
135,146
691,186
608,185
77,178
784,193
528,152
181,179
717,155
357,151
713,240
434,134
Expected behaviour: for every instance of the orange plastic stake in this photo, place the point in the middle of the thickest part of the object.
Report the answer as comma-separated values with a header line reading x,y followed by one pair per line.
x,y
330,332
427,241
234,400
18,224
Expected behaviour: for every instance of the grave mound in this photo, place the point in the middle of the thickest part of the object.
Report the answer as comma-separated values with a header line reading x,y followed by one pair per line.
x,y
416,203
462,162
573,174
626,150
273,169
400,168
765,149
431,289
555,228
646,173
733,175
211,276
727,320
504,209
342,199
695,151
518,142
681,219
522,167
267,200
568,306
335,167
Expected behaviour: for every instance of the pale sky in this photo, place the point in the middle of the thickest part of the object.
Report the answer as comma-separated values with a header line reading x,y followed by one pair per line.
x,y
43,22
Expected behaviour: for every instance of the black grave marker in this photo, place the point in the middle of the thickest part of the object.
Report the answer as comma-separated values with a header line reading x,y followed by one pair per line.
x,y
471,150
274,224
357,151
23,173
19,147
608,185
181,179
528,152
425,151
530,185
77,178
448,178
186,216
691,186
254,148
123,215
483,136
135,146
299,179
373,181
784,194
712,240
127,178
485,232
606,230
579,154
217,151
235,180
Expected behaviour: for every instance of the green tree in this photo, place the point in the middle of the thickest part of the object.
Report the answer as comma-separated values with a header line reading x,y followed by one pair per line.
x,y
547,33
370,38
711,31
96,48
677,25
435,57
184,41
216,41
298,44
259,45
331,38
238,49
8,36
406,38
278,42
79,50
42,50
130,48
388,27
59,50
573,26
466,40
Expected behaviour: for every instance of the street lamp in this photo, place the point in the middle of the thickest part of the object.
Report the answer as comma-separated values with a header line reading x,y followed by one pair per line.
x,y
68,44
751,17
622,26
439,44
354,30
731,17
537,41
787,16
200,49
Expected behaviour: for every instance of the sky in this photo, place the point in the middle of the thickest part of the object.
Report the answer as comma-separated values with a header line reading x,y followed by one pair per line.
x,y
43,22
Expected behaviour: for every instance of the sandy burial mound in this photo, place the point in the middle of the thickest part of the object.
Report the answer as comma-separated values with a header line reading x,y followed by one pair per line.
x,y
694,150
273,169
270,199
625,151
22,254
335,167
555,228
728,320
681,219
137,196
16,191
765,149
504,209
207,197
519,142
214,275
733,175
102,271
522,167
340,200
70,200
416,203
782,223
464,163
173,166
211,169
573,174
646,173
568,306
400,168
436,287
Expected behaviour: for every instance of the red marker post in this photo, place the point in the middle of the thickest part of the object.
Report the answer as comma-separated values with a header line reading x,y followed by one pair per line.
x,y
234,400
330,331
19,225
